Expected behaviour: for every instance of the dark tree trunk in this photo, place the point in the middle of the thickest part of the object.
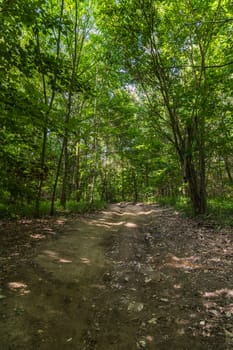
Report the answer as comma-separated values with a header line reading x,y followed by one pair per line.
x,y
228,169
197,188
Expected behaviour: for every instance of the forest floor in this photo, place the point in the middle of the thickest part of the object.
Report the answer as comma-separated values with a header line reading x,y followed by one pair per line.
x,y
129,277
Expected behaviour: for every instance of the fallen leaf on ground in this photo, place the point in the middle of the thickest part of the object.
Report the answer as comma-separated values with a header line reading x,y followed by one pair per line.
x,y
153,320
136,307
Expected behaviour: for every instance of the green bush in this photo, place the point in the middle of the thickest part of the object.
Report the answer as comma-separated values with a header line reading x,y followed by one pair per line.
x,y
84,206
220,211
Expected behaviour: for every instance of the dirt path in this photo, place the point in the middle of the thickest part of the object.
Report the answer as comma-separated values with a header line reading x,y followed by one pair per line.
x,y
131,277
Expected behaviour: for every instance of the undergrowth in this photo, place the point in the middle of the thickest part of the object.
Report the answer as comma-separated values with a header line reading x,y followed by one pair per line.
x,y
219,210
219,213
13,211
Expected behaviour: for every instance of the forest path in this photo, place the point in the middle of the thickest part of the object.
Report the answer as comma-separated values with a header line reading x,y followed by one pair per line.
x,y
130,277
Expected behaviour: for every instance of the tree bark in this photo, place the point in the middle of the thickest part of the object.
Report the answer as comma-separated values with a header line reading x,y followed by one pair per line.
x,y
50,105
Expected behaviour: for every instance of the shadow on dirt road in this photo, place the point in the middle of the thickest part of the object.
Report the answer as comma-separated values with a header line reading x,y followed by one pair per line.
x,y
131,277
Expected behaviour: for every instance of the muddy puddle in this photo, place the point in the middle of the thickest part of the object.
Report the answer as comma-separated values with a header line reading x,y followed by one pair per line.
x,y
131,277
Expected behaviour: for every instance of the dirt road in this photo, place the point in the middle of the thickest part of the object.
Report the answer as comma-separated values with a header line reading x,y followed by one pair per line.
x,y
131,277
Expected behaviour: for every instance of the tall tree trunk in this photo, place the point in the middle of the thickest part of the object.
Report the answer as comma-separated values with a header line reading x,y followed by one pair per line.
x,y
76,55
95,145
191,178
135,186
65,171
68,113
77,178
55,182
50,106
228,169
195,178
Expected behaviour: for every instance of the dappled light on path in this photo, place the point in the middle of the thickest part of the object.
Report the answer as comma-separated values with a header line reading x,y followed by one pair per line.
x,y
107,224
131,225
85,261
37,236
183,263
65,261
227,293
55,256
131,277
19,287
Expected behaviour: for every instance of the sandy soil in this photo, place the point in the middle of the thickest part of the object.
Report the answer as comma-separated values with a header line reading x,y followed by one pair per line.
x,y
130,277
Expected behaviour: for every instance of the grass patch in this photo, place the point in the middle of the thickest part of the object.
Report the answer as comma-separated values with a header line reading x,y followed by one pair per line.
x,y
181,204
20,210
219,212
84,206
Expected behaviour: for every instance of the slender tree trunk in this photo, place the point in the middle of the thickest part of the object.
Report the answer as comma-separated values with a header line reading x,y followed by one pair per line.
x,y
192,180
228,169
50,105
203,200
65,173
135,186
76,55
68,112
41,175
202,133
95,145
122,179
55,182
77,177
44,139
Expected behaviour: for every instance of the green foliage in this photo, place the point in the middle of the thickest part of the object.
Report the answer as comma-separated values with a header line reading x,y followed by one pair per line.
x,y
172,50
110,100
220,212
181,203
84,206
14,211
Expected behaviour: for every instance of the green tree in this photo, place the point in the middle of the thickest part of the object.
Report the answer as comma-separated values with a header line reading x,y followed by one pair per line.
x,y
168,49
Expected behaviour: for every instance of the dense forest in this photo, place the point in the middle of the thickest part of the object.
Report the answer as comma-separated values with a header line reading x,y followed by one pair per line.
x,y
117,100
